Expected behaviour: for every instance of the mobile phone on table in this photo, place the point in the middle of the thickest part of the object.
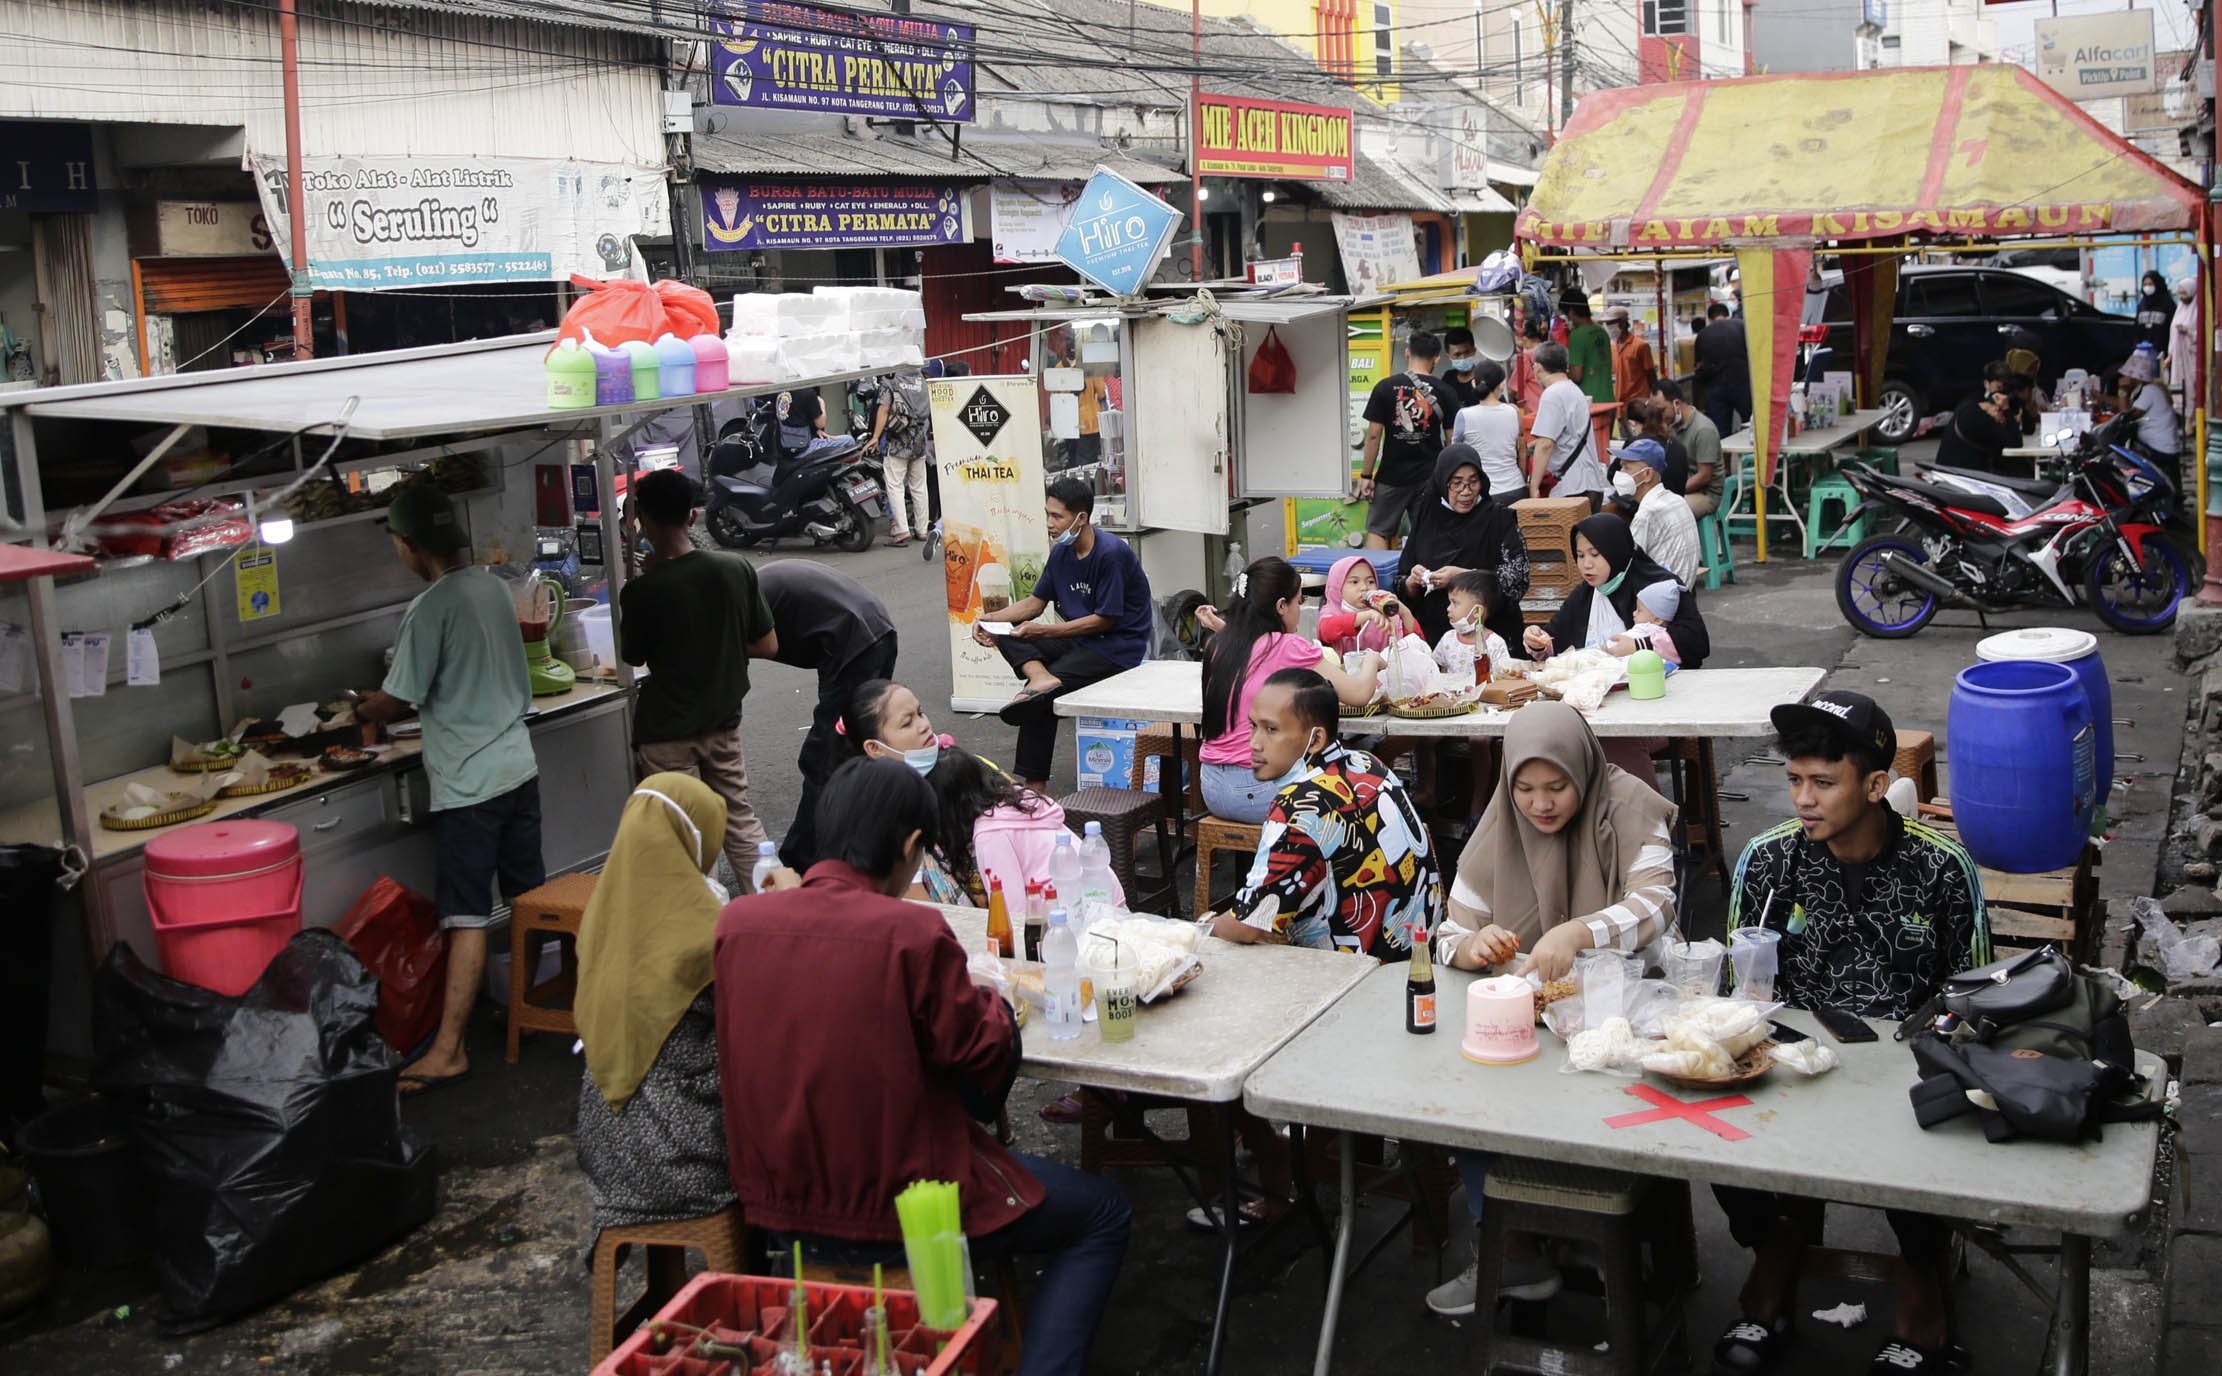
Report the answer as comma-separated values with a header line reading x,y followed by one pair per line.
x,y
1845,1027
1785,1033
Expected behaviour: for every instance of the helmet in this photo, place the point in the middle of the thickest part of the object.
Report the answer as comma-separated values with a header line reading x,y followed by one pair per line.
x,y
1499,272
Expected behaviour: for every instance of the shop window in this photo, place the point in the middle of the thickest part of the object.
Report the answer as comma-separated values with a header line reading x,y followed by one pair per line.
x,y
1665,18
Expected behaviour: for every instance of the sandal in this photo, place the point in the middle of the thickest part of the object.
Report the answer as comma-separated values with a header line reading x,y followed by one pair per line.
x,y
1252,1213
896,541
1899,1356
1064,1112
1750,1346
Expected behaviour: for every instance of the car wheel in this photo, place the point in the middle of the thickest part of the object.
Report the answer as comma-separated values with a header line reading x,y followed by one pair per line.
x,y
1901,405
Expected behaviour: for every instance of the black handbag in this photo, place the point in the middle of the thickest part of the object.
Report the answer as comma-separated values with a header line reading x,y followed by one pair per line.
x,y
2012,990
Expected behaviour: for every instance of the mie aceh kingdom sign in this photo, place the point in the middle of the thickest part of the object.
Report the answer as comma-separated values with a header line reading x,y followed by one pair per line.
x,y
1117,233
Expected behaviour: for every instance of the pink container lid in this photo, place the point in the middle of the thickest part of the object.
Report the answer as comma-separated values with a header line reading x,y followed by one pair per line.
x,y
235,846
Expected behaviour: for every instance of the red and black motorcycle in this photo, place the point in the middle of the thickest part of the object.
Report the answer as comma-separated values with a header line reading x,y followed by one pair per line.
x,y
2102,537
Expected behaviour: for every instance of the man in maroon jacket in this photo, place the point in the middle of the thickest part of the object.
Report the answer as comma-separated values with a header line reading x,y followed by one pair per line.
x,y
855,1055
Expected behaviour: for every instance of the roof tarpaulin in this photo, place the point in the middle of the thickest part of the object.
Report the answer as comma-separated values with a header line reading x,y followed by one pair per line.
x,y
1983,151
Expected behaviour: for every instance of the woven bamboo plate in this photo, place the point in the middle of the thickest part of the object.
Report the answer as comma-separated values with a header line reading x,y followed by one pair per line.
x,y
1448,709
1749,1066
211,766
113,822
282,777
1371,709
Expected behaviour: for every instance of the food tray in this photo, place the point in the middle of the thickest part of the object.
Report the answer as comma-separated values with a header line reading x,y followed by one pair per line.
x,y
750,1313
207,766
1371,709
282,777
329,765
160,819
1446,709
1749,1066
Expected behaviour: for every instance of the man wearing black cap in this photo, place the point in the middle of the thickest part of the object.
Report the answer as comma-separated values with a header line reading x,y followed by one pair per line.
x,y
458,659
1875,911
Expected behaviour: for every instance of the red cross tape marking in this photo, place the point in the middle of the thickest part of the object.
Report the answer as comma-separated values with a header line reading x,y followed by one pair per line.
x,y
1666,1106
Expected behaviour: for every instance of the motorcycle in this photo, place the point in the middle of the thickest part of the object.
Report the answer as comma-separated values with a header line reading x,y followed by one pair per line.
x,y
768,482
2102,536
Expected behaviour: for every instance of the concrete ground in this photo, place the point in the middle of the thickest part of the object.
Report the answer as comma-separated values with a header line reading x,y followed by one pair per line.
x,y
498,1282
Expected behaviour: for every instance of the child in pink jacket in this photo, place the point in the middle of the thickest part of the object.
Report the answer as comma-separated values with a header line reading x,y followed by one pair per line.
x,y
1357,613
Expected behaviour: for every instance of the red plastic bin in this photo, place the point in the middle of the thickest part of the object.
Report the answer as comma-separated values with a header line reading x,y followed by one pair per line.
x,y
750,1312
224,898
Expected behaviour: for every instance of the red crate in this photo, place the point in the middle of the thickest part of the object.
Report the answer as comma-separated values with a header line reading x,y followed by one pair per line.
x,y
751,1312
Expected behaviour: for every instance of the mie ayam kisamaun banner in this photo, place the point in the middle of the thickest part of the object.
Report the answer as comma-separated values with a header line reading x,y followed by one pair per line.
x,y
384,223
778,56
994,539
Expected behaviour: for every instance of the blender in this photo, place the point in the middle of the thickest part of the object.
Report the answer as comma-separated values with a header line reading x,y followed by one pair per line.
x,y
540,605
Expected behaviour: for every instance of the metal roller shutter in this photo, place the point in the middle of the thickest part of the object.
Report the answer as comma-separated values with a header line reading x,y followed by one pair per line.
x,y
177,286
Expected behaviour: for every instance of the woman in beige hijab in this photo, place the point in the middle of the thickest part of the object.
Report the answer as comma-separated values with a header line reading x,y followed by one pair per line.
x,y
1572,854
651,1130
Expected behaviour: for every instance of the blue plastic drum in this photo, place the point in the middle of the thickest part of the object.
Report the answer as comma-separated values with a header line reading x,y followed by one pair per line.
x,y
2024,764
2079,650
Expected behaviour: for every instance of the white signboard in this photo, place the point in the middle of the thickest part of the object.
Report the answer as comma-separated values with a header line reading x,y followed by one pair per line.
x,y
187,229
1376,250
1467,166
2093,55
385,223
1025,219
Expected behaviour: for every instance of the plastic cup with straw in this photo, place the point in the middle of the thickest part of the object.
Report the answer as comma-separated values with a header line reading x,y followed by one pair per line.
x,y
1115,997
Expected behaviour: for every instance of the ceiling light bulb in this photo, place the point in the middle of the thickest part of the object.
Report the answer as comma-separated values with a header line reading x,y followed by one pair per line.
x,y
1267,196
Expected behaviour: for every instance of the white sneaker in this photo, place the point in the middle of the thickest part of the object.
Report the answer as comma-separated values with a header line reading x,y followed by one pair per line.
x,y
1522,1278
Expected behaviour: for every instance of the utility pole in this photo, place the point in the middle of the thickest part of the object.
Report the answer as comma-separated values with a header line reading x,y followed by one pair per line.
x,y
1196,143
304,318
1566,62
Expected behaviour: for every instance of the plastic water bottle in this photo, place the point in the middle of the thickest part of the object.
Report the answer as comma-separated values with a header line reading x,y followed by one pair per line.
x,y
1061,978
1095,873
767,860
1064,872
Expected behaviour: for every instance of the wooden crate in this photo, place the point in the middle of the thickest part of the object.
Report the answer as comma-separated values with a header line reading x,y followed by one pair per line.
x,y
2027,910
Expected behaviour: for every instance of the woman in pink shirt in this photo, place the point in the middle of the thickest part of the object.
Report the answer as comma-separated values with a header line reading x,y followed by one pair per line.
x,y
1257,640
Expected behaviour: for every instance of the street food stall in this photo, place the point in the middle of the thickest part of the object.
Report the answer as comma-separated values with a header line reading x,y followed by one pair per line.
x,y
232,609
1870,166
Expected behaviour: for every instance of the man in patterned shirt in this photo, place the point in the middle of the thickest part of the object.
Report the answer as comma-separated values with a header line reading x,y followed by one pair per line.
x,y
1344,862
1875,911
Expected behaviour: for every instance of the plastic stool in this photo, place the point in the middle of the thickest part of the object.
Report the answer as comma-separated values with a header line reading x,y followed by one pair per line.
x,y
1832,490
553,909
1713,550
1879,457
1215,834
1124,812
1604,1209
721,1238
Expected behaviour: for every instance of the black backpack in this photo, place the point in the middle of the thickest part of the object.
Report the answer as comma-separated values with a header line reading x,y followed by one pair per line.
x,y
2033,1045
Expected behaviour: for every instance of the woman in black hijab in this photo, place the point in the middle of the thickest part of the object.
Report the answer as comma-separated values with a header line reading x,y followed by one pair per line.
x,y
2155,309
1456,528
1615,570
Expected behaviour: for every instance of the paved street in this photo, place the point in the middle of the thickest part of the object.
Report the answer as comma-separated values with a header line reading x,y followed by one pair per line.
x,y
498,1282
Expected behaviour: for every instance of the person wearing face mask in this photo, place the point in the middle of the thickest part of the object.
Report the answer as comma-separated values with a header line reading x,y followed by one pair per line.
x,y
1344,862
1459,360
1255,639
1095,581
1661,524
1603,604
1462,527
990,827
1571,855
651,1133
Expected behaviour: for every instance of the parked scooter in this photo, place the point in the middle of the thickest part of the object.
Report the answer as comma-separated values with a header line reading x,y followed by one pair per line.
x,y
768,482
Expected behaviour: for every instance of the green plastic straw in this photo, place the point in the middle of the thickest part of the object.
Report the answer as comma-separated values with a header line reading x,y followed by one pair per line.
x,y
932,1230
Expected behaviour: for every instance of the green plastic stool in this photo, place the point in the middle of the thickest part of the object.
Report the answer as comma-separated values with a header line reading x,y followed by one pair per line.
x,y
1714,552
1832,490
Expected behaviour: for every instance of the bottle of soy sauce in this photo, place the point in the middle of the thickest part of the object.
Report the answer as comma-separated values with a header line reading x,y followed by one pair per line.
x,y
1419,985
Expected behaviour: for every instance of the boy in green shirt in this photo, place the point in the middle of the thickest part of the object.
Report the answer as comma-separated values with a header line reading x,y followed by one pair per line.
x,y
1588,351
458,658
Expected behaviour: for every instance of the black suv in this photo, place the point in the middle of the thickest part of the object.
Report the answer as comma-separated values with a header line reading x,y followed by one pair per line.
x,y
1950,321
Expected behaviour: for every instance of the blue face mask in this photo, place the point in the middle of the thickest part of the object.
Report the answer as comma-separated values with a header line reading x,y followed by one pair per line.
x,y
1296,773
1072,533
1464,365
924,757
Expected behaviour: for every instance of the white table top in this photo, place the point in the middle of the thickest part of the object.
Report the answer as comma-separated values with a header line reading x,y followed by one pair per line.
x,y
1848,1135
1698,702
1204,1041
1811,441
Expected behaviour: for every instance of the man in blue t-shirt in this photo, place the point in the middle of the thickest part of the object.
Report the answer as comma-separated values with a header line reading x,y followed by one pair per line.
x,y
1095,581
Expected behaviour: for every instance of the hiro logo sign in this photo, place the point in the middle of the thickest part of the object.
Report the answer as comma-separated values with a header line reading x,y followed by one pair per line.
x,y
984,416
1117,233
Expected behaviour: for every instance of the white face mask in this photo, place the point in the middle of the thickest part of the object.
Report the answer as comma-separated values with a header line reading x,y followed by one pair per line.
x,y
1624,483
1296,772
1467,624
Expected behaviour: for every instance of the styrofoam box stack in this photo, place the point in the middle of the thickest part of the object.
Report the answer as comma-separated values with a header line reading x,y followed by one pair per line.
x,y
782,315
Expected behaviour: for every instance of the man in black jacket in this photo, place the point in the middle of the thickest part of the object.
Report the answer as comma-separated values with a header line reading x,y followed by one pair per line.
x,y
1723,368
830,623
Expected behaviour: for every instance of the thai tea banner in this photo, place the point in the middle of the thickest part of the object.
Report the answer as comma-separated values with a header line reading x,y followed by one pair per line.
x,y
385,223
805,57
787,212
988,449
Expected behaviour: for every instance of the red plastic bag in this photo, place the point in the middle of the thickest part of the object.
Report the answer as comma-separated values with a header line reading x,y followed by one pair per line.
x,y
615,312
1271,369
396,933
688,311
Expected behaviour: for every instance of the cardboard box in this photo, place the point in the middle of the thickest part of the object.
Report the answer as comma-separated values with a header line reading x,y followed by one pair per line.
x,y
1103,749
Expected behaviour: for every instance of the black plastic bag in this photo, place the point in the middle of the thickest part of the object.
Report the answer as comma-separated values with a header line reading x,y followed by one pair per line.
x,y
268,1122
29,875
